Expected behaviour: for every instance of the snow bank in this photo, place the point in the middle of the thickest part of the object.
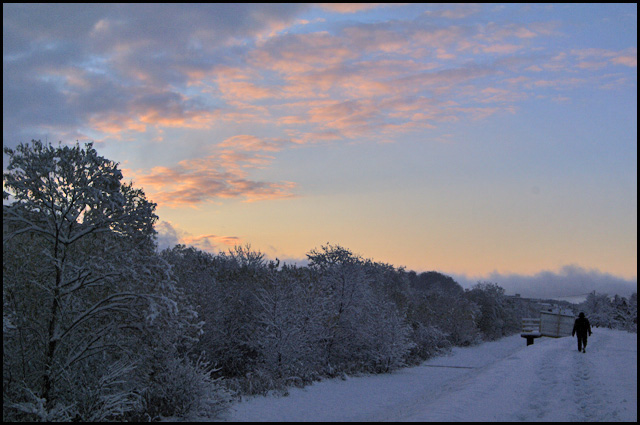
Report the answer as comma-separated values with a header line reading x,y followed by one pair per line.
x,y
497,381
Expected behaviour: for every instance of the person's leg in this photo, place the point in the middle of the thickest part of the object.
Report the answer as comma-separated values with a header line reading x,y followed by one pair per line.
x,y
579,343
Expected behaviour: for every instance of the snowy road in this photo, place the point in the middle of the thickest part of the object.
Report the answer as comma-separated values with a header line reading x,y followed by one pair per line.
x,y
498,381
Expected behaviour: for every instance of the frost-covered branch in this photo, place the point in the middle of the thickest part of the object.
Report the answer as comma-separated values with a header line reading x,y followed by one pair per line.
x,y
112,302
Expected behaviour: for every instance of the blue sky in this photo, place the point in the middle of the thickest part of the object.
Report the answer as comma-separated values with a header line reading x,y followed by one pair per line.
x,y
476,140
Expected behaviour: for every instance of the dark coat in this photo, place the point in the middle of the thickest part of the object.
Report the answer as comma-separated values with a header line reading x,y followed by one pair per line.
x,y
581,326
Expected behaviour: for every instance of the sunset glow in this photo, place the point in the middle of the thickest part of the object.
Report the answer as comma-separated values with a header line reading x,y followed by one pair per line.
x,y
475,140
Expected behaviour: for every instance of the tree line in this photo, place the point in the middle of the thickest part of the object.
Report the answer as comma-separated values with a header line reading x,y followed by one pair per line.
x,y
612,312
100,325
269,326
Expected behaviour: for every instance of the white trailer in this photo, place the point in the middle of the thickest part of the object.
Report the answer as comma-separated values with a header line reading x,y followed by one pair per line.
x,y
556,325
553,324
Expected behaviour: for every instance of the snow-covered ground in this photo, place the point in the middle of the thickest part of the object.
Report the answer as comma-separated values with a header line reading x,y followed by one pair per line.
x,y
497,381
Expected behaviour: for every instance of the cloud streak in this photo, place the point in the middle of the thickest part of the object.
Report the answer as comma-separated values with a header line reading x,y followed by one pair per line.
x,y
124,70
131,72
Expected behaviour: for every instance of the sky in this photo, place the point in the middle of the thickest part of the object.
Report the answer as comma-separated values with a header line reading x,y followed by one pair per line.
x,y
482,141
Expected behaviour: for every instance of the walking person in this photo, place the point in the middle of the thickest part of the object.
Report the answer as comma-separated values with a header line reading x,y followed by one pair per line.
x,y
581,327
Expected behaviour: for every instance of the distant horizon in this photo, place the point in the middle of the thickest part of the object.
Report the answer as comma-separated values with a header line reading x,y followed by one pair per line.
x,y
491,142
570,283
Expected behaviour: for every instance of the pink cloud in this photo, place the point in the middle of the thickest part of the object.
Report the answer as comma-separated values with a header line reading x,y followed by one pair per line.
x,y
591,65
130,74
449,11
298,53
170,235
627,57
498,95
365,80
210,243
379,39
351,7
333,82
502,49
247,142
201,180
626,60
435,38
350,118
243,90
291,120
114,123
152,110
351,71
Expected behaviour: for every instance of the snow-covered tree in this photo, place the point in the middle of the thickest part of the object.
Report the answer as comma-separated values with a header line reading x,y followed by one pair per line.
x,y
87,295
438,302
66,198
599,310
615,313
287,331
632,324
362,329
230,332
498,318
341,280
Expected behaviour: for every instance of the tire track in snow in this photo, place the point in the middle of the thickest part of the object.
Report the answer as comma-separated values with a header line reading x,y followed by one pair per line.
x,y
566,386
545,392
590,393
586,398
